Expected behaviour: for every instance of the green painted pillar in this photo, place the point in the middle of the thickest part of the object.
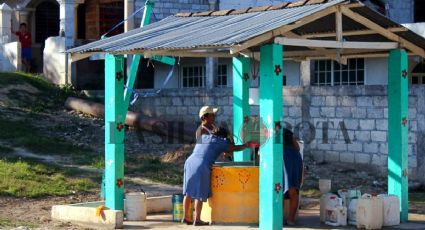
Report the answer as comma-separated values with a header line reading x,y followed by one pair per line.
x,y
241,111
114,131
149,5
271,150
398,129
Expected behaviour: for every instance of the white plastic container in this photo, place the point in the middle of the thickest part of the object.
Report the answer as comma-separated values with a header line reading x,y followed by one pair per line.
x,y
135,206
352,210
336,213
391,209
324,185
369,212
347,195
324,201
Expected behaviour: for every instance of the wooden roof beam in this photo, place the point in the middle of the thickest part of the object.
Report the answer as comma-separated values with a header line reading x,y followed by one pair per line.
x,y
335,44
80,56
189,53
282,30
384,32
351,33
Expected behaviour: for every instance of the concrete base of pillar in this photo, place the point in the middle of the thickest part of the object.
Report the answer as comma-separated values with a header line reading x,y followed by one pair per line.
x,y
84,214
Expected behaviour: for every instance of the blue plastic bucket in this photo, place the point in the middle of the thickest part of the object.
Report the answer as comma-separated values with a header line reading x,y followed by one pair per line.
x,y
177,202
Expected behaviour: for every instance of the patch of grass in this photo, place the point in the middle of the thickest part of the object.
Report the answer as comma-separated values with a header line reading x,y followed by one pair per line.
x,y
98,162
6,223
417,197
152,168
23,134
49,96
26,179
310,193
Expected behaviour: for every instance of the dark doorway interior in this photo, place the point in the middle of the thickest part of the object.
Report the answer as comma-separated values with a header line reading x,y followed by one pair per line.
x,y
145,75
46,24
81,21
419,11
46,21
110,14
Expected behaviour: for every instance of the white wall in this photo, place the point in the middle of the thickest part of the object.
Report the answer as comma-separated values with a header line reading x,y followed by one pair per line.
x,y
10,57
292,71
54,68
418,28
162,70
161,73
376,71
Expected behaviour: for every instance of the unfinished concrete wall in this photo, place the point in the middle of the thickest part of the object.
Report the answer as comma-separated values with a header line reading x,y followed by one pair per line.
x,y
338,124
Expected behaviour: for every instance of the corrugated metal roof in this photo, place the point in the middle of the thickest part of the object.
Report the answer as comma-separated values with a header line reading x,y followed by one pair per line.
x,y
176,32
221,30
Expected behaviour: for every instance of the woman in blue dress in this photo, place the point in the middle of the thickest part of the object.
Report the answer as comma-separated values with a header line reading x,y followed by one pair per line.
x,y
197,171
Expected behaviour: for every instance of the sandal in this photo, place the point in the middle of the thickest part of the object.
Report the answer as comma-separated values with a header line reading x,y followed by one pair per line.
x,y
200,223
184,221
290,223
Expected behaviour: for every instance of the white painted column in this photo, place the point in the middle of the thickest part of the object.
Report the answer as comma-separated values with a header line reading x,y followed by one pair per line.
x,y
210,71
67,15
5,25
128,25
305,73
211,63
128,10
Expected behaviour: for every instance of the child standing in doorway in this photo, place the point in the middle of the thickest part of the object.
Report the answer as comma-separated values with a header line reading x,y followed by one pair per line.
x,y
25,40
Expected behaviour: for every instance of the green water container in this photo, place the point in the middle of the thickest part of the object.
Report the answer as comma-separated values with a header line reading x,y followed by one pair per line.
x,y
177,202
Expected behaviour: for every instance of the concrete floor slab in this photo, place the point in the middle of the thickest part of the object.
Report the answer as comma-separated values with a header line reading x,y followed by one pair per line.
x,y
308,219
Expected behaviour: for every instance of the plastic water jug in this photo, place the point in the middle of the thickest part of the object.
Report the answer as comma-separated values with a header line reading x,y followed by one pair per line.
x,y
352,210
135,206
336,213
347,195
391,209
324,200
369,212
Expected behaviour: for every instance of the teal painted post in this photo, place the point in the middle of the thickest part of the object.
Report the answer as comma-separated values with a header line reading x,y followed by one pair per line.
x,y
136,60
398,129
149,5
241,112
271,150
114,131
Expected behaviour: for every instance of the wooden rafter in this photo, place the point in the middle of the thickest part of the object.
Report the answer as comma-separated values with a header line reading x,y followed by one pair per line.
x,y
282,30
335,44
338,24
351,33
384,32
79,56
189,53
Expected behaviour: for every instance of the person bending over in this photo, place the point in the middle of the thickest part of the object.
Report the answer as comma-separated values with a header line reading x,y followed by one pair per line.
x,y
197,171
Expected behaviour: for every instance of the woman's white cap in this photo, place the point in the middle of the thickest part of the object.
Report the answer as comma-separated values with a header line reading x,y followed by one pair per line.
x,y
207,109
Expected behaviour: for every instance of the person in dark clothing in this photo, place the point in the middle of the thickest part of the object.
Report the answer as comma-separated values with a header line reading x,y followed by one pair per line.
x,y
293,171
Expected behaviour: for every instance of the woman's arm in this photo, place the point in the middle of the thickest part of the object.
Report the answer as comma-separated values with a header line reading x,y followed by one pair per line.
x,y
233,148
